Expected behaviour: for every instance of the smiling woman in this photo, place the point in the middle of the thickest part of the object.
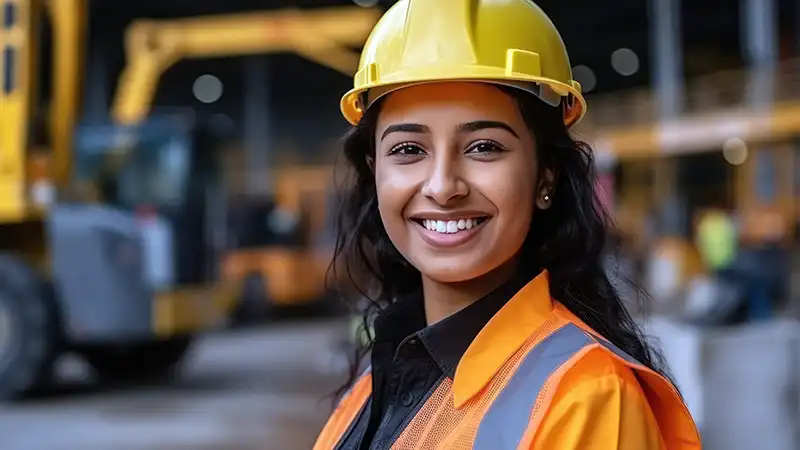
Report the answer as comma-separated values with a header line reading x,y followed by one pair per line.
x,y
450,153
472,224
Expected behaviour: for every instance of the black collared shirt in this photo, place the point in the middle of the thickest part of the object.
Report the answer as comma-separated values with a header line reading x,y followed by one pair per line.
x,y
410,360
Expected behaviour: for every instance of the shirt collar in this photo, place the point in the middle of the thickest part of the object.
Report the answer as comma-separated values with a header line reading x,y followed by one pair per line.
x,y
399,320
502,335
448,339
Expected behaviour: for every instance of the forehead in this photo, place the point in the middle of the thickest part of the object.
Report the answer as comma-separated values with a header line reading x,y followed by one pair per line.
x,y
448,104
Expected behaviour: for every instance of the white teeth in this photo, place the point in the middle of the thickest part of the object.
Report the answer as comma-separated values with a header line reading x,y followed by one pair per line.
x,y
450,226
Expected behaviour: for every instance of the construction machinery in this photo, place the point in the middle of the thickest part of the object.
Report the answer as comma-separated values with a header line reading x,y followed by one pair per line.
x,y
272,273
326,36
109,246
264,273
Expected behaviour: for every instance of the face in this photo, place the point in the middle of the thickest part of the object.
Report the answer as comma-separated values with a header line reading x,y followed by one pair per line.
x,y
456,177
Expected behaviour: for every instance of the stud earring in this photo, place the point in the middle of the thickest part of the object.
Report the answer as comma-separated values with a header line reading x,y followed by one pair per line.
x,y
546,197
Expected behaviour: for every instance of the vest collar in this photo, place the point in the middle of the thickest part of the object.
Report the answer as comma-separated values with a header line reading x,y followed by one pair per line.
x,y
503,335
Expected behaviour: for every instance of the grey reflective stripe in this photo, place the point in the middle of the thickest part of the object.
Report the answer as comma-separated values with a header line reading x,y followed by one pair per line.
x,y
508,417
617,351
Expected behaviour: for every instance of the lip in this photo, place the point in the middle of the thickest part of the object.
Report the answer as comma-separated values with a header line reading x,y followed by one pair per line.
x,y
449,240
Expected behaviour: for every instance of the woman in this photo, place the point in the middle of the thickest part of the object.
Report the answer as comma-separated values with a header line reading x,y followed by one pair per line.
x,y
472,223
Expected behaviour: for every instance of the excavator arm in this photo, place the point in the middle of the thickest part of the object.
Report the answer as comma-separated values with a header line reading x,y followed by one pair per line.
x,y
18,99
325,36
69,32
27,168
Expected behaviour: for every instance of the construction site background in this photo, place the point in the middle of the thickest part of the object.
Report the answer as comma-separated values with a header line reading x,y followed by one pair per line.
x,y
194,143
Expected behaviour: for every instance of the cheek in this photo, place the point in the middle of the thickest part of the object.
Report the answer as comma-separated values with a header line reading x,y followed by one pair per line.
x,y
511,188
394,190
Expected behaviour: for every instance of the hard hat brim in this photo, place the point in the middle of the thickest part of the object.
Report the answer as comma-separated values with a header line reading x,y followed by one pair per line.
x,y
353,111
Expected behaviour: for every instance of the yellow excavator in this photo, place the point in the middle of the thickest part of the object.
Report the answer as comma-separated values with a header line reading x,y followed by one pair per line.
x,y
121,272
261,274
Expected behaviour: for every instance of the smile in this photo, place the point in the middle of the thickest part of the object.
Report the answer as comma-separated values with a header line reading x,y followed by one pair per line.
x,y
449,233
451,226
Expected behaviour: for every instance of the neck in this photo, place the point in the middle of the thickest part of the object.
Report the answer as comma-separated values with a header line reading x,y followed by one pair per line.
x,y
445,299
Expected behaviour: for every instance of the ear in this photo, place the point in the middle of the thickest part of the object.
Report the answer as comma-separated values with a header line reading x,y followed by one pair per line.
x,y
545,191
371,164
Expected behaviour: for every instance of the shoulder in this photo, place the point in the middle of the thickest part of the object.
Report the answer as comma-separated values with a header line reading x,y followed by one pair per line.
x,y
599,365
595,374
596,365
597,401
600,392
587,369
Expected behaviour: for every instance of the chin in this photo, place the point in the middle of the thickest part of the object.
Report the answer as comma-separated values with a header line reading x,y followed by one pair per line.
x,y
446,270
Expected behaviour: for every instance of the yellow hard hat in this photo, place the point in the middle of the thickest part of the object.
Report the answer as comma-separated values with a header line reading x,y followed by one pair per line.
x,y
508,42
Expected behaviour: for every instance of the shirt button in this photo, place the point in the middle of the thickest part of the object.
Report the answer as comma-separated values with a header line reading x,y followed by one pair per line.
x,y
407,399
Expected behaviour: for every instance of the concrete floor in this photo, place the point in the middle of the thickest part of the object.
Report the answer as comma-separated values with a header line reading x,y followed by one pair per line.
x,y
249,390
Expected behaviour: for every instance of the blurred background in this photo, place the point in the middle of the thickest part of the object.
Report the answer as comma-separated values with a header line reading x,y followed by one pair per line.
x,y
164,211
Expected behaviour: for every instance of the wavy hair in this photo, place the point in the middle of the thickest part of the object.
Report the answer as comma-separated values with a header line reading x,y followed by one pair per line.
x,y
569,239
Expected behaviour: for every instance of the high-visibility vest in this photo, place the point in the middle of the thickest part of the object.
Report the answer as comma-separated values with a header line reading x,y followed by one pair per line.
x,y
717,240
505,414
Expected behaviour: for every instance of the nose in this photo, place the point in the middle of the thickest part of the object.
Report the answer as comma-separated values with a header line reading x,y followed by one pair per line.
x,y
445,183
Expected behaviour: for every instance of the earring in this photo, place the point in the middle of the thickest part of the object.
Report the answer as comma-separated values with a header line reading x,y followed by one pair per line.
x,y
546,198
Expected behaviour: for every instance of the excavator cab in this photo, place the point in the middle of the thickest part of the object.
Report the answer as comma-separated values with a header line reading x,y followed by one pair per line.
x,y
146,239
163,175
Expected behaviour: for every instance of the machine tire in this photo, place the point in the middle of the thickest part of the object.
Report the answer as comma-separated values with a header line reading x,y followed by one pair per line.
x,y
254,304
151,361
32,345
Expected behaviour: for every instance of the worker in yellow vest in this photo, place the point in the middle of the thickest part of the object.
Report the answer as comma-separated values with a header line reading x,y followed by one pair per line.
x,y
717,240
472,222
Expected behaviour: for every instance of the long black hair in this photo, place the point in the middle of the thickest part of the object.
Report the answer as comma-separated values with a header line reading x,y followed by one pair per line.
x,y
569,239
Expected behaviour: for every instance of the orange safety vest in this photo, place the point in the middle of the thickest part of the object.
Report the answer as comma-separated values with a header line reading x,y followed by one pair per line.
x,y
505,411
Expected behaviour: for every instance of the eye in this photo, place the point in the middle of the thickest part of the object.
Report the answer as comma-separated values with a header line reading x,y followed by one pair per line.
x,y
407,149
485,148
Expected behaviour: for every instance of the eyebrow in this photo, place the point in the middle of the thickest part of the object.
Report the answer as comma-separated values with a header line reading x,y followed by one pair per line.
x,y
467,127
470,127
406,128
